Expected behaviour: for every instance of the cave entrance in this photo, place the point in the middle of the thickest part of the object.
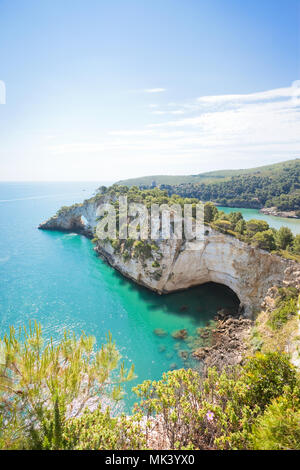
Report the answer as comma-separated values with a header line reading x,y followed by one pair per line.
x,y
211,297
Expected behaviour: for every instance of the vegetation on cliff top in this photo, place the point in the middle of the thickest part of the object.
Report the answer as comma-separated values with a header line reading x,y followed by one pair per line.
x,y
254,232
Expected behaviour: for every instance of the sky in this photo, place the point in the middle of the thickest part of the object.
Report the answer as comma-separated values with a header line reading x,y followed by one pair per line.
x,y
107,90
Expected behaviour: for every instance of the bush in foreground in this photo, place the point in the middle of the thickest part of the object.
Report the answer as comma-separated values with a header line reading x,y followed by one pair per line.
x,y
47,393
220,411
43,387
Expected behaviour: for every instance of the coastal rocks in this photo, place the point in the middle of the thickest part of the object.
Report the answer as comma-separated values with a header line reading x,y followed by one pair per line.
x,y
228,343
277,213
183,354
269,302
160,332
292,276
180,334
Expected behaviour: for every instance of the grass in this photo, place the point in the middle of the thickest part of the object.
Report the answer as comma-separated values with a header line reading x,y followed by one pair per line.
x,y
265,339
275,327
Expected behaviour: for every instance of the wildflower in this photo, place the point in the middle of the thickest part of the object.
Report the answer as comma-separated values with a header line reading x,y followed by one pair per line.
x,y
210,416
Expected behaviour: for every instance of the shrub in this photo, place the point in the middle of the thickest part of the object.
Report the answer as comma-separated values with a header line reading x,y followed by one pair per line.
x,y
210,211
240,226
264,240
219,411
284,238
296,244
126,255
222,224
286,306
283,313
155,264
142,249
116,244
279,427
42,386
265,376
253,226
98,430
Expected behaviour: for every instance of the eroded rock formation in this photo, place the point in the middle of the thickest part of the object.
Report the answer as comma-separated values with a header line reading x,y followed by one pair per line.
x,y
177,264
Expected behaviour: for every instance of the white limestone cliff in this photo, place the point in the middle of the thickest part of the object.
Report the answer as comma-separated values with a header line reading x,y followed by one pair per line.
x,y
219,258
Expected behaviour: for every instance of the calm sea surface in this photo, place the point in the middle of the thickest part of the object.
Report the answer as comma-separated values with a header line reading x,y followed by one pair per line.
x,y
57,279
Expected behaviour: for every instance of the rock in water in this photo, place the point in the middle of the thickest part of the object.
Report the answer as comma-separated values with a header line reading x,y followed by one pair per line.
x,y
180,334
160,332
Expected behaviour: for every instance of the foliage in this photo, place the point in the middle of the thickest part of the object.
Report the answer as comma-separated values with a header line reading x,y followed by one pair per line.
x,y
210,211
98,430
254,226
286,308
284,238
240,226
256,232
41,386
296,244
275,326
222,225
264,240
276,185
220,411
279,426
155,264
266,375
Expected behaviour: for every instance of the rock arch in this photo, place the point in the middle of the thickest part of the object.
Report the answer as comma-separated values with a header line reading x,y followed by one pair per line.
x,y
219,258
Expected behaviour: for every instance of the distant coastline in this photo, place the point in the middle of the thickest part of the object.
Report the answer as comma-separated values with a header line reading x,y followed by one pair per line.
x,y
277,213
273,211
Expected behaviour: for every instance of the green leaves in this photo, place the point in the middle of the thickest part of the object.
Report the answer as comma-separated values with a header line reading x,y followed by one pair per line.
x,y
43,385
217,412
46,390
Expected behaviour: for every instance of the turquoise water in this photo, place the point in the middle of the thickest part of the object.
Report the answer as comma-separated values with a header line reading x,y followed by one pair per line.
x,y
57,279
276,222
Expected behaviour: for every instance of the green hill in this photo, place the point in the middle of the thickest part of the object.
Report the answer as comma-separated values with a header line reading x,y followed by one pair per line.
x,y
266,186
212,176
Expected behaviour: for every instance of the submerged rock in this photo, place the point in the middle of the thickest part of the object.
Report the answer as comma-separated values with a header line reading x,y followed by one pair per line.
x,y
183,308
162,348
160,332
183,354
169,355
180,334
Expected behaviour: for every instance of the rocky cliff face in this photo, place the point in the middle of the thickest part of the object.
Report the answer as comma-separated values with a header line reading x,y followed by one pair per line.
x,y
176,264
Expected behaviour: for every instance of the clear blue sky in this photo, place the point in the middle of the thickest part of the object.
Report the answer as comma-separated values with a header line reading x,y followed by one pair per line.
x,y
111,89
